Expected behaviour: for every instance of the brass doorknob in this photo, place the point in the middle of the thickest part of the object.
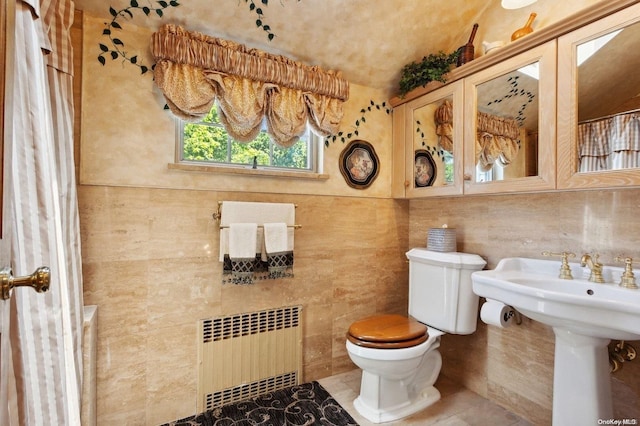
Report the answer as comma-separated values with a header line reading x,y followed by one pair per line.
x,y
39,281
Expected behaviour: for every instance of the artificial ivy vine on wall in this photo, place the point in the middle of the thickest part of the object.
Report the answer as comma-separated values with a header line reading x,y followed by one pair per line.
x,y
117,45
260,21
432,149
344,137
115,48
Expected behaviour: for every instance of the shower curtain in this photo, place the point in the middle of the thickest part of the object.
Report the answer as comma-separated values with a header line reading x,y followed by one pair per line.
x,y
41,385
611,143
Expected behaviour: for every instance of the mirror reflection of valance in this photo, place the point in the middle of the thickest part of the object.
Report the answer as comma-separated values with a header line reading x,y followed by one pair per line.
x,y
195,70
444,125
497,137
496,140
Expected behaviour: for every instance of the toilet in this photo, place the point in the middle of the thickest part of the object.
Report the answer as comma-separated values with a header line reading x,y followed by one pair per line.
x,y
399,355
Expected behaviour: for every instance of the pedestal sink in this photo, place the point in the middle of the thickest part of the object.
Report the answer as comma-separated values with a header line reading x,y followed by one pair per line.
x,y
584,315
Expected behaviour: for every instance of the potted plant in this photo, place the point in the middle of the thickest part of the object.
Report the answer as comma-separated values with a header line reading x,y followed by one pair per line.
x,y
432,68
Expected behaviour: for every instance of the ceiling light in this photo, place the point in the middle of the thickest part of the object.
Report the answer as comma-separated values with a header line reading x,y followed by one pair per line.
x,y
516,4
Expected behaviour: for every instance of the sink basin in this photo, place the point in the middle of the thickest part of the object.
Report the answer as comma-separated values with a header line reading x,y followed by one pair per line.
x,y
584,317
532,287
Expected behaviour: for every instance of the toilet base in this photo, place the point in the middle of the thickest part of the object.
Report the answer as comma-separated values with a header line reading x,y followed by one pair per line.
x,y
423,400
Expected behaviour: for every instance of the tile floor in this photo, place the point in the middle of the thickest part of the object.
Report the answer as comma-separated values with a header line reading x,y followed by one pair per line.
x,y
458,406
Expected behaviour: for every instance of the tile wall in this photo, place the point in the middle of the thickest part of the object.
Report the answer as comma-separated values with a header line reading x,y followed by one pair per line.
x,y
150,263
514,366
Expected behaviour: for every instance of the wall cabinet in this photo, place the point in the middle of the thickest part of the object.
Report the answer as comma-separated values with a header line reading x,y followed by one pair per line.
x,y
523,117
599,103
491,132
428,154
510,124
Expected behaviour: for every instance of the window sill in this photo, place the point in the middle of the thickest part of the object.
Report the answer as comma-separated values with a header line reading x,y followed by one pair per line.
x,y
206,168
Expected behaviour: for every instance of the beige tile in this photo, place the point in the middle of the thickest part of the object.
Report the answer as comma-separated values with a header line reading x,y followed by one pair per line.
x,y
517,364
114,223
170,390
626,400
317,319
315,371
120,291
511,370
121,390
194,289
150,262
317,349
464,360
520,405
151,265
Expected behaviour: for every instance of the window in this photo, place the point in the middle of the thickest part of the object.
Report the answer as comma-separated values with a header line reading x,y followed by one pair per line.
x,y
208,142
447,159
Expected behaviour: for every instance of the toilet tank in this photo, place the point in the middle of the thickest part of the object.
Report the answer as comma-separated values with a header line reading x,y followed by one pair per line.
x,y
440,289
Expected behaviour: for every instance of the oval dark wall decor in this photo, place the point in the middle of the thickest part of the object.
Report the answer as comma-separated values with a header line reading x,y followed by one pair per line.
x,y
424,169
359,164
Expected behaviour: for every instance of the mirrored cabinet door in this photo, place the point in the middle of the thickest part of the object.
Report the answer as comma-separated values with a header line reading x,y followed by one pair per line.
x,y
599,102
433,150
510,124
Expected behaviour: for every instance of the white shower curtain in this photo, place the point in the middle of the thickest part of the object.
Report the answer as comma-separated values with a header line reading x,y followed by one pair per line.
x,y
46,328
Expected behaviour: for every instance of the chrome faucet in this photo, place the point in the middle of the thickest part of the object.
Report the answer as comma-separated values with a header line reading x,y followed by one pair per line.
x,y
594,266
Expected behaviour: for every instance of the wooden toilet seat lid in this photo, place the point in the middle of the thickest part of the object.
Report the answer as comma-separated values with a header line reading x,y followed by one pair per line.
x,y
387,331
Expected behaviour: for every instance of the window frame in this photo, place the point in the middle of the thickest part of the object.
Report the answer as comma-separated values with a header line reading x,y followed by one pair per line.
x,y
314,154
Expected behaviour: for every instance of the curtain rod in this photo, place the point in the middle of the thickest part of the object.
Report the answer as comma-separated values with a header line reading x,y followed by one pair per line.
x,y
606,117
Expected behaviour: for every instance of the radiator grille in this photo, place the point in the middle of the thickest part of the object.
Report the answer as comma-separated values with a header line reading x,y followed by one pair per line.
x,y
245,324
249,390
245,355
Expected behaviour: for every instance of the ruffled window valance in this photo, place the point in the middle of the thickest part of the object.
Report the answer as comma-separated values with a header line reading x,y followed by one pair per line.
x,y
496,137
194,71
496,140
444,125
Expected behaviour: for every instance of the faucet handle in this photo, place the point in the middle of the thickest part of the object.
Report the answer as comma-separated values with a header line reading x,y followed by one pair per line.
x,y
565,270
628,279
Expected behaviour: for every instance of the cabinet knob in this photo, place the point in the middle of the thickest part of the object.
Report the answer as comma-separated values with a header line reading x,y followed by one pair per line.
x,y
466,177
406,183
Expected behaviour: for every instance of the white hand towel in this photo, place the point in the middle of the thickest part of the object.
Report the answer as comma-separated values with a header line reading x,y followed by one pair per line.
x,y
224,243
247,212
279,250
242,240
275,238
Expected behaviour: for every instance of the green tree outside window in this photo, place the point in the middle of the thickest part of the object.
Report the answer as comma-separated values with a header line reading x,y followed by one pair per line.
x,y
208,141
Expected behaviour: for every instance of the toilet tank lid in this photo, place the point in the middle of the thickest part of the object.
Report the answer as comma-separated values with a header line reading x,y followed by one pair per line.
x,y
451,259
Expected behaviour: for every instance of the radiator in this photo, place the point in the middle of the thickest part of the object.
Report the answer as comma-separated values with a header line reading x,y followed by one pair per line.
x,y
248,354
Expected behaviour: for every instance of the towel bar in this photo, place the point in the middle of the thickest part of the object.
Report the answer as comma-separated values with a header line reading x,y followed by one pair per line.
x,y
218,215
260,226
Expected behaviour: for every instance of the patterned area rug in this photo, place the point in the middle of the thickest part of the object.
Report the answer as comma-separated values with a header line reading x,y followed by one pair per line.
x,y
306,404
